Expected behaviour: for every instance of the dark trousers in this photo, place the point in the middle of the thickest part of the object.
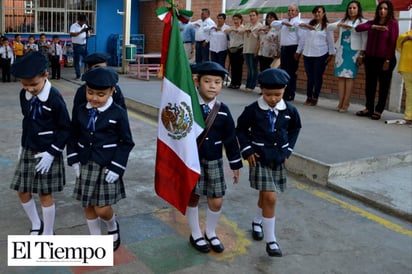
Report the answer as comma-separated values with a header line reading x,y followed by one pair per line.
x,y
252,70
5,69
373,75
236,67
219,57
264,62
290,65
314,67
202,52
55,66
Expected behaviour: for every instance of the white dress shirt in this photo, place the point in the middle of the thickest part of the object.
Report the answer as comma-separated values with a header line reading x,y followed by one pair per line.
x,y
218,39
203,32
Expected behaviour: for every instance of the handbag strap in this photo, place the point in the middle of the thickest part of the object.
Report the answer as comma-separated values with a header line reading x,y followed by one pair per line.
x,y
209,122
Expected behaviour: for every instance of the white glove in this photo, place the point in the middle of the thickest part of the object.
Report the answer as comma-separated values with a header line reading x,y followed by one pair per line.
x,y
45,163
19,154
76,167
111,176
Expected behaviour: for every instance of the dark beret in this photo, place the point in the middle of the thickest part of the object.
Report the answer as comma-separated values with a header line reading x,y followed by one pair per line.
x,y
193,68
273,78
100,78
95,58
30,65
211,68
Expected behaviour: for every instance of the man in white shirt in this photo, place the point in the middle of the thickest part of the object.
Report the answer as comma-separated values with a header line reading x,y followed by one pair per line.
x,y
79,32
202,35
289,39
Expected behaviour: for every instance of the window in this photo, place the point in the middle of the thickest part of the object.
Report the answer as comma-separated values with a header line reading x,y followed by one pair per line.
x,y
48,16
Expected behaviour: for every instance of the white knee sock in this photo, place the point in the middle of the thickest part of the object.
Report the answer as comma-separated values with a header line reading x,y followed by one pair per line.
x,y
31,211
269,229
258,219
94,226
48,218
212,218
192,215
112,226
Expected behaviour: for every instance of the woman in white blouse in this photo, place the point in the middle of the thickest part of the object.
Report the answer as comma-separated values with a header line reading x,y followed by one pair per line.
x,y
349,51
317,48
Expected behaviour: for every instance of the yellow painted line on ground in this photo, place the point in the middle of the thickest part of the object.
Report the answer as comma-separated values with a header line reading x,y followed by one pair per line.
x,y
149,121
387,224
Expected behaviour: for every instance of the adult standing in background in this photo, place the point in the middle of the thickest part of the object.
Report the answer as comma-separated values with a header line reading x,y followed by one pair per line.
x,y
268,43
317,47
188,37
250,48
202,35
404,46
79,32
236,51
350,47
289,39
380,58
218,41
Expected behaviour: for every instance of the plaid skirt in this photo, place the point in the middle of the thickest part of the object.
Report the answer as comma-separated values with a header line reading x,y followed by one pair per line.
x,y
92,189
212,179
266,178
27,179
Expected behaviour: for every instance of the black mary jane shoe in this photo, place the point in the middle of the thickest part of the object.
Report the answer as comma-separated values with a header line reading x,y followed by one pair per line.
x,y
257,235
116,243
202,248
216,248
40,230
273,252
363,113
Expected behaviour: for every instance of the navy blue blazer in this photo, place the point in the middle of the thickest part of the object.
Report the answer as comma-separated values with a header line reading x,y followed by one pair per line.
x,y
254,134
50,130
109,145
222,133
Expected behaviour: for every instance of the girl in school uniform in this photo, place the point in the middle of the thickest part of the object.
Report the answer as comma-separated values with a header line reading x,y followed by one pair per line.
x,y
98,150
267,131
46,129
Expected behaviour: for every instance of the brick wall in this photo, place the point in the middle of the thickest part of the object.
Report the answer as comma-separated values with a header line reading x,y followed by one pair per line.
x,y
152,27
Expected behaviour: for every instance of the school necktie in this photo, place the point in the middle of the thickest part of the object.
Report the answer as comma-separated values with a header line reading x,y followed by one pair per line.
x,y
35,107
7,52
55,49
92,119
206,110
272,118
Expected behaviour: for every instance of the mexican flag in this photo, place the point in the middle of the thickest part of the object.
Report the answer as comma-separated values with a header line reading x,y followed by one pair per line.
x,y
180,119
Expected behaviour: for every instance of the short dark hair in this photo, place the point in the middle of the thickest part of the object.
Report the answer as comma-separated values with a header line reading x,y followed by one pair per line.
x,y
222,15
81,17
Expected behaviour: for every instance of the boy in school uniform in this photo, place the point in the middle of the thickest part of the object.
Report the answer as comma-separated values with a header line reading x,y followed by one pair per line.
x,y
46,129
267,131
18,47
31,45
98,150
7,59
219,132
56,55
92,61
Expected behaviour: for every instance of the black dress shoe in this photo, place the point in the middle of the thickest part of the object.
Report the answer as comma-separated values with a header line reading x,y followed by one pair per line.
x,y
202,248
216,248
273,252
40,230
116,243
257,235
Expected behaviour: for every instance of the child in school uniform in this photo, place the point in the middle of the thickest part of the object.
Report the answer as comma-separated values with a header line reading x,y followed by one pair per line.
x,y
55,55
267,131
98,150
7,59
31,45
92,61
219,132
46,129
